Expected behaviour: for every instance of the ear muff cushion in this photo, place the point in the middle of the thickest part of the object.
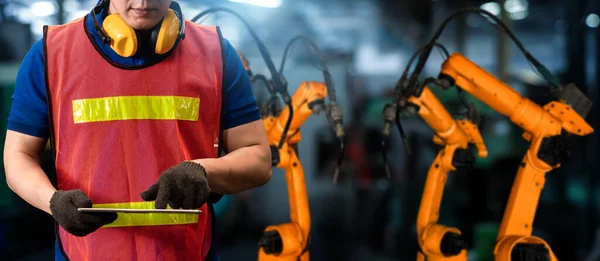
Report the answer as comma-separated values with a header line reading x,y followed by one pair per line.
x,y
168,33
123,38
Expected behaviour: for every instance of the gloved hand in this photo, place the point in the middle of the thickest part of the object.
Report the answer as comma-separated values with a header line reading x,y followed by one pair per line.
x,y
63,206
182,186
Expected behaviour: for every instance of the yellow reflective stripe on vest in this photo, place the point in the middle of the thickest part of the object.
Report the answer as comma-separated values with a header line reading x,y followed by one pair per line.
x,y
136,108
146,219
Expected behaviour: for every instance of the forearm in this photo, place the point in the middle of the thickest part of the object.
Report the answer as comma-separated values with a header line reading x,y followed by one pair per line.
x,y
26,178
240,170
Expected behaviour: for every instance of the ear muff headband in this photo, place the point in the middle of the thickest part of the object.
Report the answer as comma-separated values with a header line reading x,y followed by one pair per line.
x,y
123,40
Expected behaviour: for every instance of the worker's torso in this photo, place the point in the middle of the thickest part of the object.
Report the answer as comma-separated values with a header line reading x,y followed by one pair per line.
x,y
116,129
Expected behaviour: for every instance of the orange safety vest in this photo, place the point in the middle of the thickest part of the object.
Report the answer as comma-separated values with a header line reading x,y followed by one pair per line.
x,y
115,130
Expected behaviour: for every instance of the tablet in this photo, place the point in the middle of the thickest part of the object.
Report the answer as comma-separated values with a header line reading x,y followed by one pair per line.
x,y
128,210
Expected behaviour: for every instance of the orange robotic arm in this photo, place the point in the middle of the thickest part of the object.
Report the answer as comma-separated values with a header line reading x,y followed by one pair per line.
x,y
545,128
289,241
438,242
308,99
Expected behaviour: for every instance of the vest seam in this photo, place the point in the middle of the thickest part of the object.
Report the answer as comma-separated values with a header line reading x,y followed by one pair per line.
x,y
54,179
221,150
223,77
214,248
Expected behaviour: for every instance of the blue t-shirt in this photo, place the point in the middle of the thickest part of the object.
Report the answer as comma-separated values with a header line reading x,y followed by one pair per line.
x,y
29,109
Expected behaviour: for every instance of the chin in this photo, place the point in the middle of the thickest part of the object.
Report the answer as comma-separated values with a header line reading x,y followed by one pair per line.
x,y
143,24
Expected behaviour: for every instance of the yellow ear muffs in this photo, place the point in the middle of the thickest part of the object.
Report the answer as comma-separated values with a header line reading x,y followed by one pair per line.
x,y
123,38
168,33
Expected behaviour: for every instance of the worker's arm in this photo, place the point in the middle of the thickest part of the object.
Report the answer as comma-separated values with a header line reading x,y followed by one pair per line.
x,y
28,132
248,163
24,174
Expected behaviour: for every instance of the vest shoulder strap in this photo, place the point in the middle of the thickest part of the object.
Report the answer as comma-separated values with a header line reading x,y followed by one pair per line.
x,y
62,27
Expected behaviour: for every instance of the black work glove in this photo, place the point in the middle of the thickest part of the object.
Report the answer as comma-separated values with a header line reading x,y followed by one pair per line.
x,y
63,206
182,186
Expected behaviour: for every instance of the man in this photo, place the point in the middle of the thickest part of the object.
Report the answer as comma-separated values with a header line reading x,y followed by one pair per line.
x,y
136,105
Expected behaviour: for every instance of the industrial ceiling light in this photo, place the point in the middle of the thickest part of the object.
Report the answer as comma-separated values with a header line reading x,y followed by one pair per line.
x,y
592,20
261,3
491,7
517,9
44,8
520,15
513,6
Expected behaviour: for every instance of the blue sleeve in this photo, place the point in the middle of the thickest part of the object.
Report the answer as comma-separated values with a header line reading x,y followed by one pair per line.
x,y
29,108
239,103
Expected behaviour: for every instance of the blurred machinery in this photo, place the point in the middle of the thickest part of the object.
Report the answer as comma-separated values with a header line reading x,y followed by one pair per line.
x,y
547,130
269,105
290,241
436,241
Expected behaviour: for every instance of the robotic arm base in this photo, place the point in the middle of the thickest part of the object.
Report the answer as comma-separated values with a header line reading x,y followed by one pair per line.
x,y
292,246
441,243
523,248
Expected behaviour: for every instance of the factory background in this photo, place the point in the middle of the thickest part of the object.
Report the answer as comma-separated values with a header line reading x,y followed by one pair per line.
x,y
367,44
